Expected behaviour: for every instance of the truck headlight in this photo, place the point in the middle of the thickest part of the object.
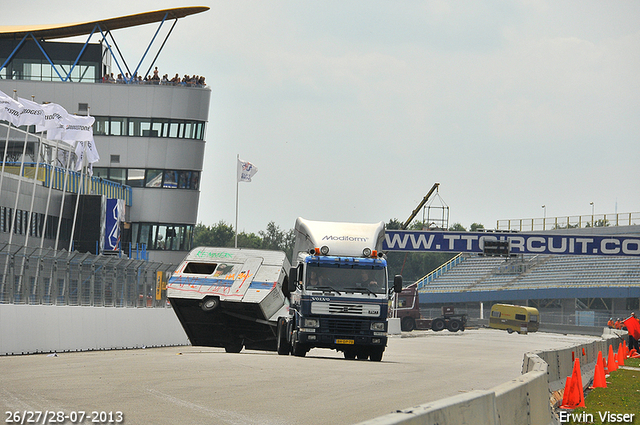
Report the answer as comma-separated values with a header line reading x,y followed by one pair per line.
x,y
377,326
311,323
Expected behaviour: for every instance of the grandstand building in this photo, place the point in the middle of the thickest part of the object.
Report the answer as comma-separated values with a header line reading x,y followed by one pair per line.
x,y
150,136
567,289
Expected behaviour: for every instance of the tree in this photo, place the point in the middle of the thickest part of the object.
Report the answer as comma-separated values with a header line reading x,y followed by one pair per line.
x,y
219,235
277,239
476,226
248,240
457,227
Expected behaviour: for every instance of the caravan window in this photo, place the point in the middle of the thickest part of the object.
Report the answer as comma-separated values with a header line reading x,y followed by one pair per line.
x,y
200,268
521,317
495,313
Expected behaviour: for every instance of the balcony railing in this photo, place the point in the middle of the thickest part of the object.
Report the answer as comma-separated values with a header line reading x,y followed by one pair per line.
x,y
53,175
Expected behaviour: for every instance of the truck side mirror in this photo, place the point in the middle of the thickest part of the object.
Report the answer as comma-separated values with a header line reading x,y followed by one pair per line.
x,y
293,279
397,284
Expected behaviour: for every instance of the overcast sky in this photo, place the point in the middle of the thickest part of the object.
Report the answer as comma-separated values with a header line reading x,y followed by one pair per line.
x,y
352,110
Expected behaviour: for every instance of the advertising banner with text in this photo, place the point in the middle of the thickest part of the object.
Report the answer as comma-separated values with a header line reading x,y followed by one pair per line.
x,y
520,243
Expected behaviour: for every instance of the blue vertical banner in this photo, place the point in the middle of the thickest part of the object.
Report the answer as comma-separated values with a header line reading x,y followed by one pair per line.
x,y
114,215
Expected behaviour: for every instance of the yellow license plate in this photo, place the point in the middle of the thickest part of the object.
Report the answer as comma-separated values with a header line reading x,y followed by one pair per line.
x,y
345,341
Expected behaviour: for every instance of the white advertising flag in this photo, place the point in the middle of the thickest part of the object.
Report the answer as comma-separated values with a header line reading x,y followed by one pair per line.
x,y
88,148
10,109
32,113
54,114
246,170
77,128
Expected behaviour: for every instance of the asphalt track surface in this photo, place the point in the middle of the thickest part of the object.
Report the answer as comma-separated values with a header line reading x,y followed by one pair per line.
x,y
198,385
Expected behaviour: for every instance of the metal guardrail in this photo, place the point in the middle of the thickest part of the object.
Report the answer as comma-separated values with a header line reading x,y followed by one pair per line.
x,y
44,276
569,222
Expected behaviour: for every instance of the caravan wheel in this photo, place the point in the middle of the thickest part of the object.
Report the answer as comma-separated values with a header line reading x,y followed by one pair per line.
x,y
210,303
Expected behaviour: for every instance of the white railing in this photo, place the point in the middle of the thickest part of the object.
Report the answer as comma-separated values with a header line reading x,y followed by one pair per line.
x,y
569,222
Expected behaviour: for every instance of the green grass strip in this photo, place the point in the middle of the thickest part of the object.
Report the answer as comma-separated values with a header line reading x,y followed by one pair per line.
x,y
609,405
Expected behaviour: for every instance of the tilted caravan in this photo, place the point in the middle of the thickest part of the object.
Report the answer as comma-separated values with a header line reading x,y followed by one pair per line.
x,y
230,297
514,318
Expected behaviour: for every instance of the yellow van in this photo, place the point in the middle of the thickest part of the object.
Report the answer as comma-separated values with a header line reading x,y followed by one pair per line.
x,y
514,318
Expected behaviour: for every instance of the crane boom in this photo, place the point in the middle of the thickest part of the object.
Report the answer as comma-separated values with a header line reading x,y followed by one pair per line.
x,y
417,210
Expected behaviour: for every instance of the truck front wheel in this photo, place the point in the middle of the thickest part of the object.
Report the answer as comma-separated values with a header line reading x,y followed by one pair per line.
x,y
298,349
408,324
284,348
233,346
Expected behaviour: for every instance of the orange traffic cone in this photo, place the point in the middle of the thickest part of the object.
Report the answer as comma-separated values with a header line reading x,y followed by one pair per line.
x,y
565,395
632,353
621,355
601,362
573,393
599,381
611,363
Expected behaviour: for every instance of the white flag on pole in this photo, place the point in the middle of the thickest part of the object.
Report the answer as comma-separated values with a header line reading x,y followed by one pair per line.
x,y
32,113
246,170
77,128
54,114
88,148
10,109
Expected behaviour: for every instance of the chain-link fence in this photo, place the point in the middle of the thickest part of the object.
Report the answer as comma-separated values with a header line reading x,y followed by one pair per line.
x,y
44,276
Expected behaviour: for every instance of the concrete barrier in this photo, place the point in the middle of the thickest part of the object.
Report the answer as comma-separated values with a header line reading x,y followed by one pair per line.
x,y
28,329
526,400
474,407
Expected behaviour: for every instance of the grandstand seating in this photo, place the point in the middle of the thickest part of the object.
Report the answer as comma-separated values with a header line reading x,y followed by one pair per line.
x,y
478,273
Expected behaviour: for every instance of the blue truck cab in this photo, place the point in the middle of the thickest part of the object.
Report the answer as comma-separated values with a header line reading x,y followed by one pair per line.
x,y
337,301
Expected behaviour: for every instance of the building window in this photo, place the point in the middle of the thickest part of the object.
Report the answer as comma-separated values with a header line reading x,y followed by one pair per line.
x,y
149,127
118,126
118,175
162,237
170,179
139,177
101,126
153,178
135,177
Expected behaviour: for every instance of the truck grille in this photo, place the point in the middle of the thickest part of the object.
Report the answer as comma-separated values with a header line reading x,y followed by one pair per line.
x,y
348,327
349,309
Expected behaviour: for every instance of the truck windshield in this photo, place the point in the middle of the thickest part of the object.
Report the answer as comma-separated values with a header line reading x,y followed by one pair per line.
x,y
346,279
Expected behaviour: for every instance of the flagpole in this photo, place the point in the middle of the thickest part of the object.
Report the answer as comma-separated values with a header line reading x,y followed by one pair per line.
x,y
237,183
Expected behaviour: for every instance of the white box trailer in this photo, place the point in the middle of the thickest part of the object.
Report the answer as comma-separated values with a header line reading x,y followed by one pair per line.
x,y
230,297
